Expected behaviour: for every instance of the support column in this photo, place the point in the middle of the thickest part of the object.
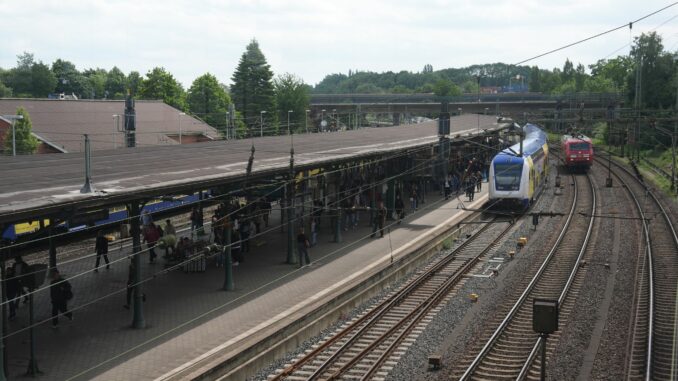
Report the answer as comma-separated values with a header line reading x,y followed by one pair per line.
x,y
134,213
337,206
32,369
228,262
3,321
52,246
291,258
390,197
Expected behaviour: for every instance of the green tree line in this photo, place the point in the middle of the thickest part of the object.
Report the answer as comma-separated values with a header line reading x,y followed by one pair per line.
x,y
240,107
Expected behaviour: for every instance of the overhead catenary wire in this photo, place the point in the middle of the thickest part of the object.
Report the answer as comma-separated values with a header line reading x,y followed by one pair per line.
x,y
595,36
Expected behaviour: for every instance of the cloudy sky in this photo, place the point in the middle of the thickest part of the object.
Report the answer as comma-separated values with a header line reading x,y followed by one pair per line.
x,y
314,38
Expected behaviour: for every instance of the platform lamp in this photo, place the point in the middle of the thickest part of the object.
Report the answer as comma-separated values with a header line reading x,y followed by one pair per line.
x,y
261,129
544,322
13,118
180,130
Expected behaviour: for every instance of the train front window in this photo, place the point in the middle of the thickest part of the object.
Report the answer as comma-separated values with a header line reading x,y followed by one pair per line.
x,y
583,146
507,176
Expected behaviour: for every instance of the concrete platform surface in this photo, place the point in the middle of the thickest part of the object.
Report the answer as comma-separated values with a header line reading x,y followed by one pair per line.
x,y
187,315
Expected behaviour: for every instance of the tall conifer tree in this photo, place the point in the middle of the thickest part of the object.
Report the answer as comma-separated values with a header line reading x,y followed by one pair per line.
x,y
252,89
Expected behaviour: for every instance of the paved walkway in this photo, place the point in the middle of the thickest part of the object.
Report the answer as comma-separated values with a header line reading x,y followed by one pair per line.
x,y
187,314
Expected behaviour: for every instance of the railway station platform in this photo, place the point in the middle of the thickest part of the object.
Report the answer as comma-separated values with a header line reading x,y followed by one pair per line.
x,y
188,316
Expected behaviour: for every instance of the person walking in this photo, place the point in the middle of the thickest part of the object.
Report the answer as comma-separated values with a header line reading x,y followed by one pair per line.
x,y
302,248
479,181
471,187
60,293
101,248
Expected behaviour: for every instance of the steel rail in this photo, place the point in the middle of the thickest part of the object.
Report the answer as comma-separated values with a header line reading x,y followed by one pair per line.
x,y
651,281
566,289
488,345
426,307
412,316
372,316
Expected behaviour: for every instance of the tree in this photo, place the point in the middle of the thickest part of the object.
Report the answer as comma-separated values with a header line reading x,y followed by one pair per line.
x,y
656,67
69,79
252,89
208,100
291,93
43,80
617,70
26,143
428,68
116,84
134,82
445,88
5,91
96,83
19,77
160,84
568,71
534,84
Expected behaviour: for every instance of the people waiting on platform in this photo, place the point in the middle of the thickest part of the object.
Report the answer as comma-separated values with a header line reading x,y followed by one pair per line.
x,y
60,293
146,218
302,248
196,220
151,236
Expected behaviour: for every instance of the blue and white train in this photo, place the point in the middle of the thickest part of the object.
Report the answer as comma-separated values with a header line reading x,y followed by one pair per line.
x,y
516,179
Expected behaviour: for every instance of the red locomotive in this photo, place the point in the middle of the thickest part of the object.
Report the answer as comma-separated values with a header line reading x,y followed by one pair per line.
x,y
578,151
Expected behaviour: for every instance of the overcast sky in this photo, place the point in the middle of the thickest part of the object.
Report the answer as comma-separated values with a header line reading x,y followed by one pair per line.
x,y
314,38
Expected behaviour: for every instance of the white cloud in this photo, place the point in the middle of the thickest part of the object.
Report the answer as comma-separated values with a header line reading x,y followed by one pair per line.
x,y
312,39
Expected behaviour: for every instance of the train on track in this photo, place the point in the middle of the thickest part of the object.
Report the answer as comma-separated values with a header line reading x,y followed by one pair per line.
x,y
517,178
578,151
29,230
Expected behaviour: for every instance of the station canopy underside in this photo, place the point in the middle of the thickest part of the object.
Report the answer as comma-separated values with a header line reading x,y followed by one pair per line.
x,y
40,185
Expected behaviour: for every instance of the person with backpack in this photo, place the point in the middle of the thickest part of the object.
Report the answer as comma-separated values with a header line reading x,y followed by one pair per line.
x,y
60,293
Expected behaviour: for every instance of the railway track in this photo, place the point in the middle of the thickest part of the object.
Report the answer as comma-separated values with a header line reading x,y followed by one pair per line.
x,y
654,345
509,351
368,346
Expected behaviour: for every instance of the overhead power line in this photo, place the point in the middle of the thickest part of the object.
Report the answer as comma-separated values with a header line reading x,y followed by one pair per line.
x,y
630,25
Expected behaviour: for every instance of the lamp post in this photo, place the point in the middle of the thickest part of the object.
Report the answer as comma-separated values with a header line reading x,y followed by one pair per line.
x,y
228,117
116,127
478,80
13,118
334,115
261,130
288,122
180,130
306,120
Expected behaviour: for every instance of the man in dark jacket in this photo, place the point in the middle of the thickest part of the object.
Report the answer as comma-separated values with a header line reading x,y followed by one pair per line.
x,y
101,247
60,292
